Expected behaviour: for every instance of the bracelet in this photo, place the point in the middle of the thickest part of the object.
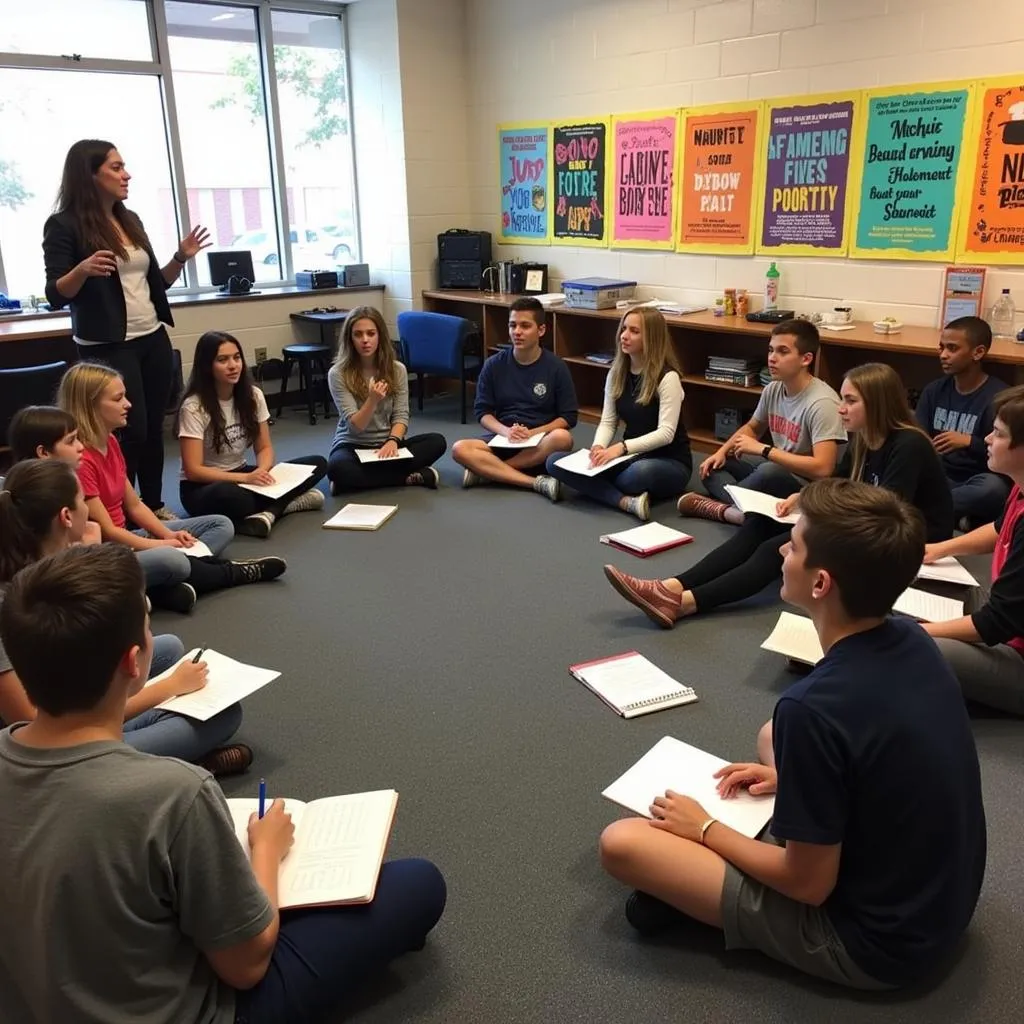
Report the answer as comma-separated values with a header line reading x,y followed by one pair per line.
x,y
397,440
704,828
625,450
179,259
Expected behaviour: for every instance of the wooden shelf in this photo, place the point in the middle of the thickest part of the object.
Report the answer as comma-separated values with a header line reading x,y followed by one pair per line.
x,y
590,413
580,361
703,382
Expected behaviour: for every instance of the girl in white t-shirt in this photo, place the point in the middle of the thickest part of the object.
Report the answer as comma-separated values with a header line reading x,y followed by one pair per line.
x,y
222,416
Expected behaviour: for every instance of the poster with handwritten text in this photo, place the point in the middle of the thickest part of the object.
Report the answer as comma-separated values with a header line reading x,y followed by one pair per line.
x,y
523,171
644,180
580,182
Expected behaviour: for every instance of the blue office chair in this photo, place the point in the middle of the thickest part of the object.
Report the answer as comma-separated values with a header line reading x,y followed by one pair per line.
x,y
439,344
27,385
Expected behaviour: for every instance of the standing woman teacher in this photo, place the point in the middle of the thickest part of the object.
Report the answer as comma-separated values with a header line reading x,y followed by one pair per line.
x,y
100,263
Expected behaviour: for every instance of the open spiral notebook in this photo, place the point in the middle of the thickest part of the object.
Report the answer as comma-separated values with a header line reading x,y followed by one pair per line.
x,y
631,685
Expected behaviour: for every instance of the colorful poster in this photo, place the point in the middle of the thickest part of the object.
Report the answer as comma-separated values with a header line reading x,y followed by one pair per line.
x,y
580,182
523,169
802,208
905,198
644,182
718,169
992,208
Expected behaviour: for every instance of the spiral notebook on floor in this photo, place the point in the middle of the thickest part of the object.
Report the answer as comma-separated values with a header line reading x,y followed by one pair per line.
x,y
631,685
361,517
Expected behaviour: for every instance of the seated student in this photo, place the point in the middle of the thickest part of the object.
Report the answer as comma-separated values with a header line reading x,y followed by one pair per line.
x,y
163,890
370,387
985,649
956,413
800,413
877,849
94,396
522,390
42,511
221,416
644,393
888,450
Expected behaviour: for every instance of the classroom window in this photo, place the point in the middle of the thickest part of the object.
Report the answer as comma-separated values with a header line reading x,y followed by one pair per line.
x,y
92,29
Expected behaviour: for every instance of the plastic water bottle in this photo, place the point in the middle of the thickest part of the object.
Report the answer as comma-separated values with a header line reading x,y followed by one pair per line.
x,y
1003,316
771,288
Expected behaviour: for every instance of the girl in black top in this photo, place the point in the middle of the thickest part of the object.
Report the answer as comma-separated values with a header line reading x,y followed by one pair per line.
x,y
888,450
643,391
100,263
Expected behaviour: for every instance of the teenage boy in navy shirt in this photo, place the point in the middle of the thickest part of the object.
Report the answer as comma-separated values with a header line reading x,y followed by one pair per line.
x,y
867,756
521,391
956,413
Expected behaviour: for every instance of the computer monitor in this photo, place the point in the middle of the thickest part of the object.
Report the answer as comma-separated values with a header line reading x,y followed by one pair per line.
x,y
226,264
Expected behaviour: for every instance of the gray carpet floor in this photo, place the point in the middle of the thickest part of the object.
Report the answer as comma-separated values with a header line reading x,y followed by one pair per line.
x,y
432,657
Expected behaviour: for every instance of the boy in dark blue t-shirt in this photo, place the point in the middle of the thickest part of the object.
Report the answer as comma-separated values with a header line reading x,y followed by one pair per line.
x,y
956,413
522,392
877,848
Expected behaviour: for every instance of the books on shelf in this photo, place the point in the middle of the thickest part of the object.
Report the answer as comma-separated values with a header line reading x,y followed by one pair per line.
x,y
361,517
733,370
631,685
672,764
646,540
604,358
339,847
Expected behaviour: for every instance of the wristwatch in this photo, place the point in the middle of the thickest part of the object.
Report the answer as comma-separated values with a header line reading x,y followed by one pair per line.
x,y
179,259
766,451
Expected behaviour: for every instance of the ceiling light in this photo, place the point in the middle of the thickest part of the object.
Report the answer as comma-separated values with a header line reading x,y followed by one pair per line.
x,y
221,17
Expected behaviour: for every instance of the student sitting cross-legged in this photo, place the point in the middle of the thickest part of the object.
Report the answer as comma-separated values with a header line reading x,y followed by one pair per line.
x,y
94,396
986,648
42,511
800,413
956,412
644,393
876,853
222,415
889,450
370,387
522,391
126,894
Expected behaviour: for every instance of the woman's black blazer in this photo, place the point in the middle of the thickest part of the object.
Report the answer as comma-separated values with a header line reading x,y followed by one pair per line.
x,y
98,310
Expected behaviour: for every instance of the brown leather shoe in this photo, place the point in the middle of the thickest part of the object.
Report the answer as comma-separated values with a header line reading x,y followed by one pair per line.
x,y
652,597
697,506
232,760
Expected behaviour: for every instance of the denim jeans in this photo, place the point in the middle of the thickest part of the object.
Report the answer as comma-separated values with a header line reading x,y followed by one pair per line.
x,y
754,473
980,498
165,566
323,954
168,734
658,478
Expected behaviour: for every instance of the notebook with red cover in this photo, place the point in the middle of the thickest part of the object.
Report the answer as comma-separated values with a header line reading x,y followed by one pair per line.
x,y
649,539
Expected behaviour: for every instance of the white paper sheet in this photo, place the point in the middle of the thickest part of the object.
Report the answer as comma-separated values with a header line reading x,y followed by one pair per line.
x,y
286,476
373,455
948,570
759,503
579,462
500,441
198,550
794,636
361,517
672,764
647,537
227,683
928,607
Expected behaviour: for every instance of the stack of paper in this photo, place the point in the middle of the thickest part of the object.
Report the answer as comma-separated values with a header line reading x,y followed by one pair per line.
x,y
287,476
500,441
759,503
928,607
361,517
948,570
646,540
373,455
795,637
579,462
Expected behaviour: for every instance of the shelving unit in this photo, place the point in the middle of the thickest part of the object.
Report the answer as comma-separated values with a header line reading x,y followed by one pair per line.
x,y
572,333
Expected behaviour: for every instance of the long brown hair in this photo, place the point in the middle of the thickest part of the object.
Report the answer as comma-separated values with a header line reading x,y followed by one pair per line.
x,y
347,359
885,410
659,356
79,197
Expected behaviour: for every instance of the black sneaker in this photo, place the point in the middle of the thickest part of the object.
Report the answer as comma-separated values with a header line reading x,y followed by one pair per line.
x,y
650,916
177,597
256,570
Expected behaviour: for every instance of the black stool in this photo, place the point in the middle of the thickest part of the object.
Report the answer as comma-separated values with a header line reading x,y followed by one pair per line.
x,y
311,358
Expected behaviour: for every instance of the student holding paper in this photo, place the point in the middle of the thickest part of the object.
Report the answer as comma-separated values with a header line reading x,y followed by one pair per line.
x,y
222,415
889,450
94,396
800,414
190,921
370,387
523,391
643,392
867,756
985,649
43,511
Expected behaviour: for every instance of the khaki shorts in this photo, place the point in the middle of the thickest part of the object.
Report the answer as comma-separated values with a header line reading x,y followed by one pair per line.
x,y
755,916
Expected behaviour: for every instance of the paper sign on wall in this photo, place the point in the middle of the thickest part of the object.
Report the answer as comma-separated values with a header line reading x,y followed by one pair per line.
x,y
644,180
523,171
580,182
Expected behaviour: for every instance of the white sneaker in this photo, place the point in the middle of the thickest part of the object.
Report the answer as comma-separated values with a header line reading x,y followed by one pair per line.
x,y
549,487
471,479
308,501
259,524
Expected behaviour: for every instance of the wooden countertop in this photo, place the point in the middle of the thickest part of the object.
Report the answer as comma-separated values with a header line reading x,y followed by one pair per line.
x,y
18,328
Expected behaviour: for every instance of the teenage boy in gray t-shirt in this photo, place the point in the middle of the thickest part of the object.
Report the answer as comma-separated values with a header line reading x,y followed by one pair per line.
x,y
800,414
125,892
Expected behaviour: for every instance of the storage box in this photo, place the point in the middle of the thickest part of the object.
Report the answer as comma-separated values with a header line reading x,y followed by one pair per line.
x,y
597,292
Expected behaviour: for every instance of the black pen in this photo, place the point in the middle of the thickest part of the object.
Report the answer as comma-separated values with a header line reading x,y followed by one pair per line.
x,y
199,654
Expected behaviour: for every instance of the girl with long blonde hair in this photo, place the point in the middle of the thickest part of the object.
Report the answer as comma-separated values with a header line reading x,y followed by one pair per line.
x,y
643,393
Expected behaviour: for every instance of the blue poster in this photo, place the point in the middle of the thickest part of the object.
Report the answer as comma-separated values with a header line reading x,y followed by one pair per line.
x,y
912,149
523,170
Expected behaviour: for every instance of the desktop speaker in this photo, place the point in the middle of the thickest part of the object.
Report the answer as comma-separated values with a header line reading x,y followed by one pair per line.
x,y
356,275
316,278
460,273
459,244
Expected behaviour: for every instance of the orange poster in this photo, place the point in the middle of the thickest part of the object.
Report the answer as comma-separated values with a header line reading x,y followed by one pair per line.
x,y
992,218
718,169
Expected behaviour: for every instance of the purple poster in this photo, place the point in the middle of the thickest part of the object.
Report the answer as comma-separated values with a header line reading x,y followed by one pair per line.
x,y
806,172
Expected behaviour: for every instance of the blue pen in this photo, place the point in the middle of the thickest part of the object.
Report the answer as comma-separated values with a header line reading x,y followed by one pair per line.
x,y
263,795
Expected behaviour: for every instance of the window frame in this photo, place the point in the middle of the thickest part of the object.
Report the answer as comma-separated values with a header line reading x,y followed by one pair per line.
x,y
160,68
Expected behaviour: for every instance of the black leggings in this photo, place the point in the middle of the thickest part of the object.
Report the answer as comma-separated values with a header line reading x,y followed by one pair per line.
x,y
145,364
347,473
226,499
741,567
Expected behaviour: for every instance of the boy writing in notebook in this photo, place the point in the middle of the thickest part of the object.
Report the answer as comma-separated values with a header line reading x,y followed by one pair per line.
x,y
794,436
145,845
522,391
877,848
